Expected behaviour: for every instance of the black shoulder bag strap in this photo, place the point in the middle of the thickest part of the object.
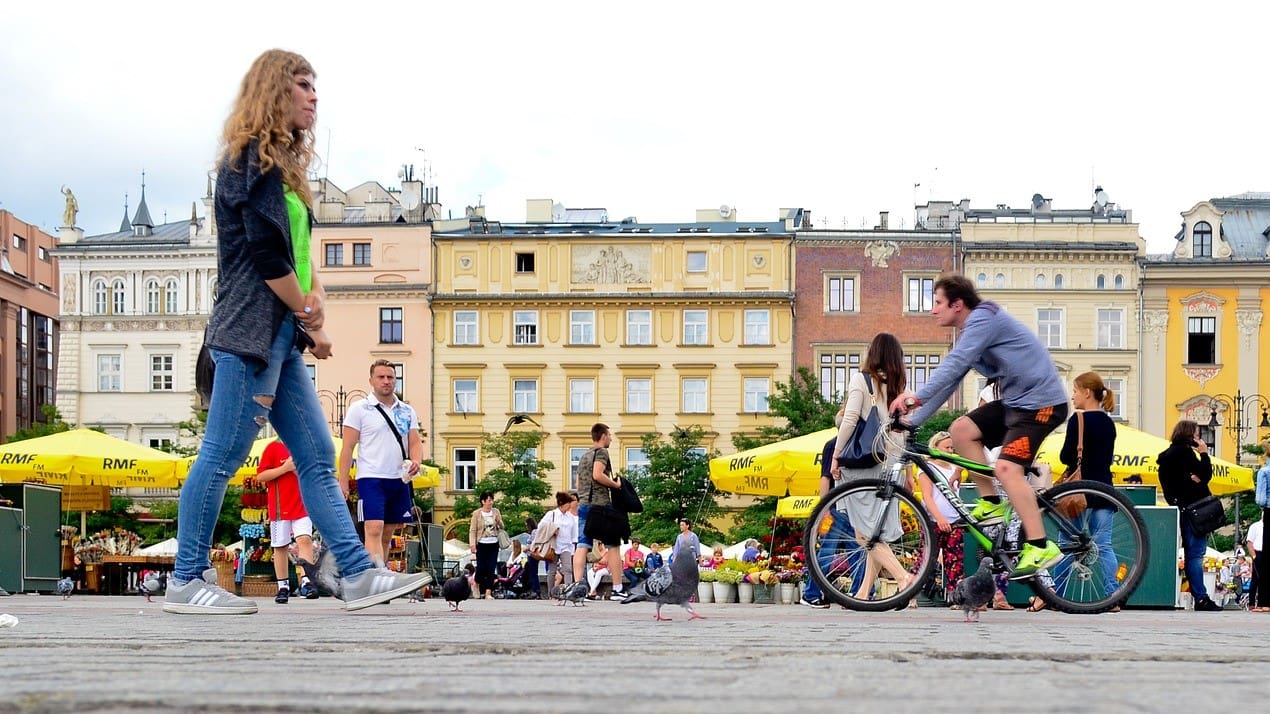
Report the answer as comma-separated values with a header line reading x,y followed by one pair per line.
x,y
393,426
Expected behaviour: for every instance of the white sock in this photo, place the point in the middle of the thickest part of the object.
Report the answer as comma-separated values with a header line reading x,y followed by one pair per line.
x,y
284,585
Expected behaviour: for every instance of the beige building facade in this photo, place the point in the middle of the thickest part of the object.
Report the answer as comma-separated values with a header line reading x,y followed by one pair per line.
x,y
571,319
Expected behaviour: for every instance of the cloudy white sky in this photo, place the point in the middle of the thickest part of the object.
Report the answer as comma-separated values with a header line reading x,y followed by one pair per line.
x,y
656,109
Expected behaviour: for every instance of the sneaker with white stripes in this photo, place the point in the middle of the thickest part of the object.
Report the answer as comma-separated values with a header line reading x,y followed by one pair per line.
x,y
377,585
204,597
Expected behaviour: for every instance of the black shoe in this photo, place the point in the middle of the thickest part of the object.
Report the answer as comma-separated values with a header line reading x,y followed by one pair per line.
x,y
1207,605
815,603
284,594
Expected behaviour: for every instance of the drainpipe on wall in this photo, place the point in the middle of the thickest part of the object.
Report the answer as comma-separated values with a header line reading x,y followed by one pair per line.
x,y
1141,303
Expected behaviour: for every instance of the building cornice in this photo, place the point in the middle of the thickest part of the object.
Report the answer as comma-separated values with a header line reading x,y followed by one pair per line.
x,y
650,299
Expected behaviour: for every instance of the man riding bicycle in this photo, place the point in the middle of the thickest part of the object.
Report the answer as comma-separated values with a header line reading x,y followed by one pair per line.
x,y
1033,403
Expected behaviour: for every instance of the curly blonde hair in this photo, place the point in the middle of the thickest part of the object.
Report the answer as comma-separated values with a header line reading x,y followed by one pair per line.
x,y
262,111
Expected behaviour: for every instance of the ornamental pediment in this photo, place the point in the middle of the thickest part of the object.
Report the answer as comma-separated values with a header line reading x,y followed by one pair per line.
x,y
1202,303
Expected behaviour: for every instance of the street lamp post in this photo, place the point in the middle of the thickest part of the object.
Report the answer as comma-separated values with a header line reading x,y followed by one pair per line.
x,y
1239,405
337,402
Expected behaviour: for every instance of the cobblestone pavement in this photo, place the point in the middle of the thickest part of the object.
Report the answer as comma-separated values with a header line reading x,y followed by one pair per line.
x,y
122,654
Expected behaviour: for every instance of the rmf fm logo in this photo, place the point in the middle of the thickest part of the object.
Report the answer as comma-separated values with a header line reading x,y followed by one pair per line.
x,y
108,463
743,462
17,458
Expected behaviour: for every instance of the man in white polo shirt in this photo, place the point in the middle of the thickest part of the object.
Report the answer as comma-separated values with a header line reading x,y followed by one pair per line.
x,y
388,460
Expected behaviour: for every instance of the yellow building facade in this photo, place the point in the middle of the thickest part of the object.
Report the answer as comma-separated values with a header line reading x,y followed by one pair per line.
x,y
1202,326
572,320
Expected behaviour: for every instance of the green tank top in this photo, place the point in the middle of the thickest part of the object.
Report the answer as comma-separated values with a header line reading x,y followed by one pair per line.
x,y
300,238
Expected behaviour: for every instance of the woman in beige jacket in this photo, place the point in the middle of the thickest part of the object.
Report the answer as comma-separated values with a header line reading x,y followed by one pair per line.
x,y
482,536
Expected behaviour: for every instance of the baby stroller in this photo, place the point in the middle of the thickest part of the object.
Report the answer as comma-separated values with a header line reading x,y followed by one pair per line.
x,y
512,585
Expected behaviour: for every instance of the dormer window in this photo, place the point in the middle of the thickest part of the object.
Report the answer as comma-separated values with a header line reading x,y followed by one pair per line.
x,y
1202,240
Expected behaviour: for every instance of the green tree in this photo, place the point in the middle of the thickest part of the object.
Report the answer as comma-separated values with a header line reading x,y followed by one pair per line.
x,y
52,423
939,421
517,484
800,404
675,485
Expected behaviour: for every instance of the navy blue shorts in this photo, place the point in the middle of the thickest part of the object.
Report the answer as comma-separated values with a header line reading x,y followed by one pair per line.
x,y
385,499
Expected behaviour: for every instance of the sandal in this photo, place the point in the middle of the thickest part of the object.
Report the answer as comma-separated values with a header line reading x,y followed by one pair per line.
x,y
1001,605
1035,604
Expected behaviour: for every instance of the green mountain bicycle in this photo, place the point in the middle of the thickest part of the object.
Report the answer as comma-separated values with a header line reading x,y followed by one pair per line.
x,y
1102,536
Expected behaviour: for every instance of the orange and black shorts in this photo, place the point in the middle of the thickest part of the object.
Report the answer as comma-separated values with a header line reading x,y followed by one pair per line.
x,y
1019,432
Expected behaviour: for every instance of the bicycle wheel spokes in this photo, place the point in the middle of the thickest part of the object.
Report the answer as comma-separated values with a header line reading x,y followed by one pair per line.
x,y
1104,544
836,543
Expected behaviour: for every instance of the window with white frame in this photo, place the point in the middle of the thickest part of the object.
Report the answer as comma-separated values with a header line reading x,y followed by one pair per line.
x,y
999,280
840,293
1110,329
525,396
1118,282
1040,281
755,395
1100,282
981,280
154,297
466,330
161,373
1201,340
582,327
921,294
836,369
696,261
100,297
525,327
1116,385
1203,240
522,466
117,296
110,373
391,320
696,327
575,455
758,327
1049,327
918,368
464,469
639,327
1058,281
170,296
639,395
636,461
465,396
582,396
695,399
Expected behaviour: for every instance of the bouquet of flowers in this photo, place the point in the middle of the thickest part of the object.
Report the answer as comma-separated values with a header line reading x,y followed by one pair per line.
x,y
708,575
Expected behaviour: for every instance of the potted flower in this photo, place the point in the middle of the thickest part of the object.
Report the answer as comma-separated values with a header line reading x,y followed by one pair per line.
x,y
789,579
705,588
765,582
725,582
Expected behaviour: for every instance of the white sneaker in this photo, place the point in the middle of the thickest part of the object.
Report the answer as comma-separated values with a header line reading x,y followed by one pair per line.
x,y
377,585
204,597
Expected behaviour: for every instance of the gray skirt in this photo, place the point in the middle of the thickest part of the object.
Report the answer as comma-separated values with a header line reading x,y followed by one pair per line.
x,y
865,511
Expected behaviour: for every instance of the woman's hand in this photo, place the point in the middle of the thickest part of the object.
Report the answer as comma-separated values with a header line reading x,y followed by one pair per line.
x,y
312,316
1201,445
322,345
942,523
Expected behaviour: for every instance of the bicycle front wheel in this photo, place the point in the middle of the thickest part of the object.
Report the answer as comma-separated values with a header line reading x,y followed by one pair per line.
x,y
1105,548
837,537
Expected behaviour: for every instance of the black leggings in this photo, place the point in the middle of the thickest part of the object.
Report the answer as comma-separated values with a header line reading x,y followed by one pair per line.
x,y
486,566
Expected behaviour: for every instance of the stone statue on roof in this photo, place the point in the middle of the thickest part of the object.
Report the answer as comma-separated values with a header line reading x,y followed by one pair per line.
x,y
72,208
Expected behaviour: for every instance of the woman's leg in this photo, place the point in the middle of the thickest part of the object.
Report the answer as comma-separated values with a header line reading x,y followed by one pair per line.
x,y
233,421
1194,546
486,562
297,416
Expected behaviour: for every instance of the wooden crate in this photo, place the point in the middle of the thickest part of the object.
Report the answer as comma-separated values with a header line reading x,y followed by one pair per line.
x,y
225,574
259,586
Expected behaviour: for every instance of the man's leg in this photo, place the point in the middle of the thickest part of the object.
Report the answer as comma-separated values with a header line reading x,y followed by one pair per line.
x,y
579,562
1022,497
968,442
615,567
375,540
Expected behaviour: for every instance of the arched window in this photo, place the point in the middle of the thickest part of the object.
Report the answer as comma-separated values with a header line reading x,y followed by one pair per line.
x,y
981,280
152,297
1040,281
1119,282
1058,281
99,297
999,281
1101,282
169,296
117,297
1203,240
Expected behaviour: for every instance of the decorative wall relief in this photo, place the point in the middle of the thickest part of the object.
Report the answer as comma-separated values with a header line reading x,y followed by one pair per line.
x,y
1202,375
880,251
1249,322
1155,322
610,265
1202,303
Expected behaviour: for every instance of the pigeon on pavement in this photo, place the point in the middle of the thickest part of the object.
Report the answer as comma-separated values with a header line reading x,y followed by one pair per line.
x,y
65,587
671,584
154,583
455,590
575,593
975,592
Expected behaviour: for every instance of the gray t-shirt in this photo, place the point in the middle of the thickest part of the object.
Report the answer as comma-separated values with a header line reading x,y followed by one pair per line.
x,y
589,492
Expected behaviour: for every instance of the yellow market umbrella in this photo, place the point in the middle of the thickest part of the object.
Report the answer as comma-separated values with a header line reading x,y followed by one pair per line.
x,y
83,457
790,466
1135,455
797,507
429,476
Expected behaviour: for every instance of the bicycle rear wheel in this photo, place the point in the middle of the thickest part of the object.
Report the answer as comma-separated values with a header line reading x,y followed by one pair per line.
x,y
839,529
1105,548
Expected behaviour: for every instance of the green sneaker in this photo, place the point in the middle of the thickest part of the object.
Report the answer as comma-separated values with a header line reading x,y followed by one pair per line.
x,y
1033,560
986,513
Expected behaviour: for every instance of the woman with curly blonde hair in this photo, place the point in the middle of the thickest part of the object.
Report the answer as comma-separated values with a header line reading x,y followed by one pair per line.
x,y
269,307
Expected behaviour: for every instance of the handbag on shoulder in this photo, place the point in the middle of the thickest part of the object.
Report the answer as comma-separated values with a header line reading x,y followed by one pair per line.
x,y
858,452
1205,515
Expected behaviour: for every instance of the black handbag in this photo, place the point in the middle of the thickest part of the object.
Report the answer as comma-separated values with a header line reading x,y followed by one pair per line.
x,y
607,525
626,499
1205,515
858,453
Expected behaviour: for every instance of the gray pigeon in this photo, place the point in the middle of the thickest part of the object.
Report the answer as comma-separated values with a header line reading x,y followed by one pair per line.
x,y
575,593
153,584
975,592
455,590
671,584
65,587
